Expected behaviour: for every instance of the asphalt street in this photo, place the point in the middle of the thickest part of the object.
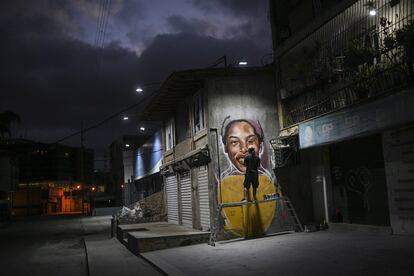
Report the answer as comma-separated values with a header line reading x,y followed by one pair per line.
x,y
56,246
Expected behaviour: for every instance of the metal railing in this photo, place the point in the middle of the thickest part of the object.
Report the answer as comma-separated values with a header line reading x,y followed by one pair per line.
x,y
383,82
326,78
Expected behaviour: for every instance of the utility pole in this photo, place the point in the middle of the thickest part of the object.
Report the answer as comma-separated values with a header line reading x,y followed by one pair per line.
x,y
82,177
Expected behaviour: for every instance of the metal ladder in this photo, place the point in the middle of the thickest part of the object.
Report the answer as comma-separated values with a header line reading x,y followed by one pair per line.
x,y
216,226
296,222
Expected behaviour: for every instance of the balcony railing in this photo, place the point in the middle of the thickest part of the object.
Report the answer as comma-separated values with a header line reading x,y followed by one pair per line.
x,y
383,82
348,60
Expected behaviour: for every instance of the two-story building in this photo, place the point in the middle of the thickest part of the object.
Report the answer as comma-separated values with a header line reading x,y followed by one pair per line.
x,y
210,118
344,80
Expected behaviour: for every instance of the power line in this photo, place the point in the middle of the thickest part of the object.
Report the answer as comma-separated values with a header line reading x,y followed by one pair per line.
x,y
144,98
108,11
99,22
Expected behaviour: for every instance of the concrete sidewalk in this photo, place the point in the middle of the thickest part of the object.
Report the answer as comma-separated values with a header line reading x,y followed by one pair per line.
x,y
330,252
110,257
106,255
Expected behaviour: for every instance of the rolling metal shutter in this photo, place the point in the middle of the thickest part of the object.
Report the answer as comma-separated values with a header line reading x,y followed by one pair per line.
x,y
186,201
203,194
172,199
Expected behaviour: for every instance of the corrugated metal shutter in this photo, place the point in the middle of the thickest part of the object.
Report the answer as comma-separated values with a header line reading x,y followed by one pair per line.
x,y
172,198
186,200
399,159
203,194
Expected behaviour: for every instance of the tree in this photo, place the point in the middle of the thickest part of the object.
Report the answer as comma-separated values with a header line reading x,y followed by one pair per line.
x,y
6,120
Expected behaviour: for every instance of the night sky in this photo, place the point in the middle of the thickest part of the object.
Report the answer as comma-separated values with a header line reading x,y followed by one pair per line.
x,y
58,70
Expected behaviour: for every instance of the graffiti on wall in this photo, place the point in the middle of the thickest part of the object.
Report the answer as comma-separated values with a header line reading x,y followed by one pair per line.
x,y
237,136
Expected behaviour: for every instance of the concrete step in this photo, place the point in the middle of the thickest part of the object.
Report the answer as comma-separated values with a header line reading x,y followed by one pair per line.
x,y
138,244
146,237
122,231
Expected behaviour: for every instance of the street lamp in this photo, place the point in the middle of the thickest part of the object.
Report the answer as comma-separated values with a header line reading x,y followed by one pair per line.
x,y
142,128
125,118
242,62
373,12
139,90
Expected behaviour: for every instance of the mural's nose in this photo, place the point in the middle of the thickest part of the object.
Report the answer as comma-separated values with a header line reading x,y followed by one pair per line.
x,y
243,148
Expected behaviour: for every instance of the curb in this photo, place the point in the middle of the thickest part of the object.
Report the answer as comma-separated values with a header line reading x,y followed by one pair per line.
x,y
156,267
88,272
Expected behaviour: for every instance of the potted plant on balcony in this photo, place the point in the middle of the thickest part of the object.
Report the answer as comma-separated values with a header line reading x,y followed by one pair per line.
x,y
357,61
405,38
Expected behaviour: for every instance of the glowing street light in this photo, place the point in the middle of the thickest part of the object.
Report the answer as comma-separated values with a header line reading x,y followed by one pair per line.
x,y
78,187
142,128
127,145
242,63
125,118
139,90
373,12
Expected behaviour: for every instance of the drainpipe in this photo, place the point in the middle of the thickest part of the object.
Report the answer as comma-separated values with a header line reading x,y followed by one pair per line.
x,y
218,160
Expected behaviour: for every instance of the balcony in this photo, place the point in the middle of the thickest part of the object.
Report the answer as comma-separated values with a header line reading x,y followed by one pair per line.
x,y
347,62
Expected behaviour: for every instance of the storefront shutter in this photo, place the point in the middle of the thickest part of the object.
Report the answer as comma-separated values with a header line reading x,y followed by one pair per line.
x,y
172,199
186,200
203,194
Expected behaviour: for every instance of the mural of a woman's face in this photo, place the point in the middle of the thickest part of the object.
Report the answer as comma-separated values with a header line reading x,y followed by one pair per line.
x,y
240,137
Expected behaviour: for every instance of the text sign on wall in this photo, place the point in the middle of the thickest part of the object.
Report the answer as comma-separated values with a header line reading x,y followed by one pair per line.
x,y
386,112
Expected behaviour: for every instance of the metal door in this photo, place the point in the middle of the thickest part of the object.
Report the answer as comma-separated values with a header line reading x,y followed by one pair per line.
x,y
203,193
186,200
172,198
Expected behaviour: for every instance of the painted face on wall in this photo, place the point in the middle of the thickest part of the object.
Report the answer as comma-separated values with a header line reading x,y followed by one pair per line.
x,y
240,137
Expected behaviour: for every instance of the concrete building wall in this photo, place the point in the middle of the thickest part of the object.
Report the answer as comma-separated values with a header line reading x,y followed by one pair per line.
x,y
303,183
248,97
243,110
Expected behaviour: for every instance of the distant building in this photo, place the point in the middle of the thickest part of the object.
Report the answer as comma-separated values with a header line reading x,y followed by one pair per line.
x,y
201,111
132,175
60,173
344,80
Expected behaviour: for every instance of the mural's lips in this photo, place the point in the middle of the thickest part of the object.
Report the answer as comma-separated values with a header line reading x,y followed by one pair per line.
x,y
241,162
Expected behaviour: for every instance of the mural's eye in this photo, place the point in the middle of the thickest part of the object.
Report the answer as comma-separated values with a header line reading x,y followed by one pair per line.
x,y
251,141
234,142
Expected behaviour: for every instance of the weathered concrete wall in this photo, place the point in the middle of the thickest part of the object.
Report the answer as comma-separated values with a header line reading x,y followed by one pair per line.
x,y
182,121
248,97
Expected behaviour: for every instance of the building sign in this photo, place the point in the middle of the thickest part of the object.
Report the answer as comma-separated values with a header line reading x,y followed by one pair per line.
x,y
386,112
149,157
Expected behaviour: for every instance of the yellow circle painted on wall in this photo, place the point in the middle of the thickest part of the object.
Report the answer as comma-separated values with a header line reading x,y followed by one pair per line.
x,y
247,220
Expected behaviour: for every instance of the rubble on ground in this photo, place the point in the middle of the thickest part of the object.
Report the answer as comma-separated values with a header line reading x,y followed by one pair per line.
x,y
150,209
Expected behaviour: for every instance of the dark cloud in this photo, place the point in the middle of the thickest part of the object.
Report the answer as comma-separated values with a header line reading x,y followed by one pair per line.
x,y
192,25
235,7
252,16
55,79
182,51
